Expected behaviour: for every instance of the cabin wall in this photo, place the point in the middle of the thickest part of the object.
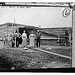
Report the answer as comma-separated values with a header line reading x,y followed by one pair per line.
x,y
52,40
45,38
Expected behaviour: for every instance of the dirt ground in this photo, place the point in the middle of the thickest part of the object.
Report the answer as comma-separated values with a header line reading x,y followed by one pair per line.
x,y
18,58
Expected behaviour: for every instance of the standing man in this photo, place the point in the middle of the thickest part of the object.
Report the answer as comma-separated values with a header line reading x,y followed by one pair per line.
x,y
32,39
38,36
13,39
5,40
24,39
66,37
17,35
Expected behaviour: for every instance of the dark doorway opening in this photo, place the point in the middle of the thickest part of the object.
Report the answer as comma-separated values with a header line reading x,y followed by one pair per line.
x,y
28,31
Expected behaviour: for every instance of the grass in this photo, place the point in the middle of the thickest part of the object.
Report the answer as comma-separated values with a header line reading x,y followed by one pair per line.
x,y
67,52
20,59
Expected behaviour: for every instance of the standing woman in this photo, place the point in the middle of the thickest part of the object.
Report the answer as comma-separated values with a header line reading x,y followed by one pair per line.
x,y
24,39
32,37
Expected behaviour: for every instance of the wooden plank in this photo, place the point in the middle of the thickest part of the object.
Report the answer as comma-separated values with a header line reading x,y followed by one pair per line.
x,y
53,53
73,45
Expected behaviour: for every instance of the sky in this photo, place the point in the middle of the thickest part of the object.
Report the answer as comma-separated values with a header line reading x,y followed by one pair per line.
x,y
46,17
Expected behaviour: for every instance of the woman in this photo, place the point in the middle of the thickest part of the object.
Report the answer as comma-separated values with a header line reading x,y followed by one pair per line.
x,y
32,39
24,39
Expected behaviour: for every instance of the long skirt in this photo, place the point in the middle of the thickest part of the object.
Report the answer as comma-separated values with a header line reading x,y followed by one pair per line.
x,y
24,42
32,41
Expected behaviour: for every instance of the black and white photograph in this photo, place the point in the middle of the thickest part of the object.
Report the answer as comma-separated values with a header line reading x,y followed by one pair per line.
x,y
37,36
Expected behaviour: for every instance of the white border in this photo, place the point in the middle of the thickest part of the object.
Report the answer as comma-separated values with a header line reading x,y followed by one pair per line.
x,y
5,73
37,0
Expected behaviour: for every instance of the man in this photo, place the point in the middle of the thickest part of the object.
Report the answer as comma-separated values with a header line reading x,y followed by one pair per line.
x,y
17,35
38,36
66,37
32,39
24,39
13,39
5,40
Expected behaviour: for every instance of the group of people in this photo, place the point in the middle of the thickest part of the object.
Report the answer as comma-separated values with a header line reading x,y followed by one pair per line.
x,y
34,39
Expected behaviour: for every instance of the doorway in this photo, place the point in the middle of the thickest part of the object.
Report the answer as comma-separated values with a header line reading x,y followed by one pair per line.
x,y
28,31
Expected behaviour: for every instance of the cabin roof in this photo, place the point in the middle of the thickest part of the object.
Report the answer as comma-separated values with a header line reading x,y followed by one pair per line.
x,y
16,24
